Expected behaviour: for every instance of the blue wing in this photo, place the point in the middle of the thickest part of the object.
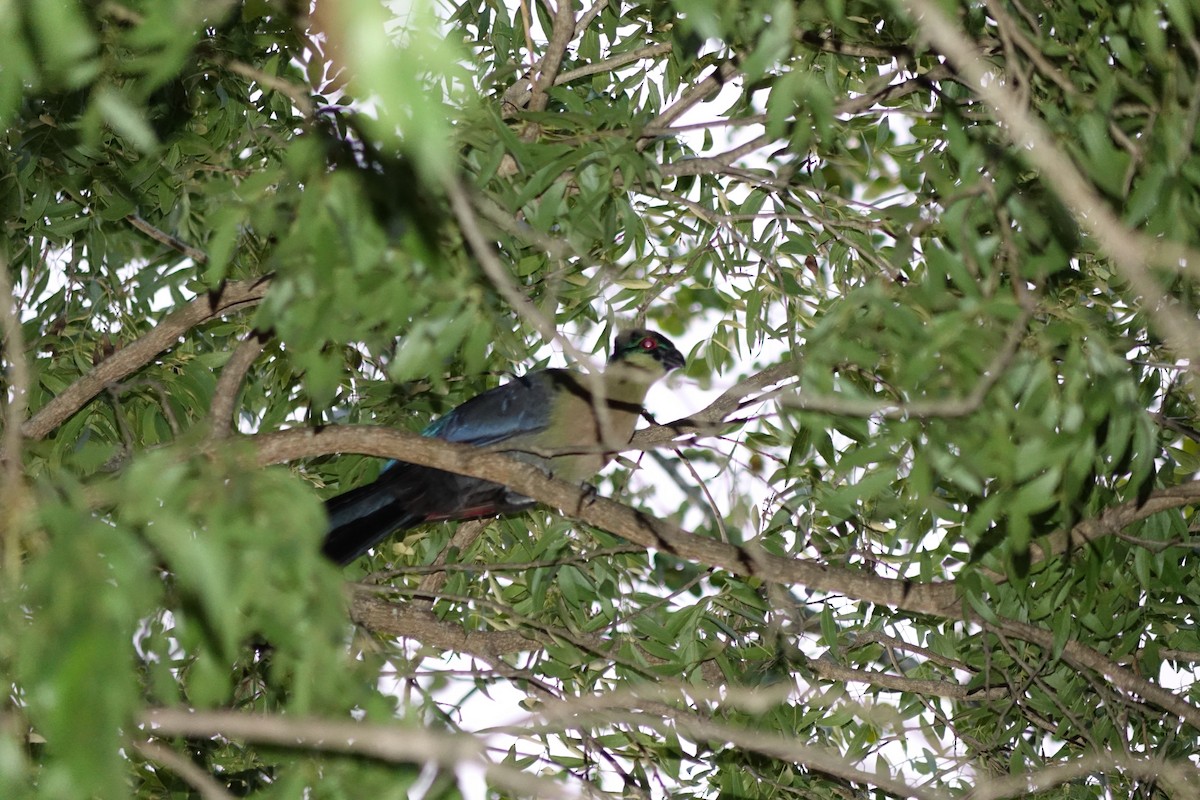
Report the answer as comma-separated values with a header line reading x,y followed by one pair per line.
x,y
405,494
518,408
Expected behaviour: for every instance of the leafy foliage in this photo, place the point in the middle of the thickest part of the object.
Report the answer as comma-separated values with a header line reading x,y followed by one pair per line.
x,y
938,540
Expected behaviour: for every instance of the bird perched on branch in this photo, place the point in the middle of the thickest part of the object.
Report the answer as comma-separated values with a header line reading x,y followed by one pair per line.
x,y
584,417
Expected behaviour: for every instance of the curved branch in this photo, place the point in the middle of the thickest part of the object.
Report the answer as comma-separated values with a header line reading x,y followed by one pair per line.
x,y
581,503
392,743
129,359
578,502
940,600
221,411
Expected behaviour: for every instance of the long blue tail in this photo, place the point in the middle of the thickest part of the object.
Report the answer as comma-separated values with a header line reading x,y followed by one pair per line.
x,y
362,518
404,496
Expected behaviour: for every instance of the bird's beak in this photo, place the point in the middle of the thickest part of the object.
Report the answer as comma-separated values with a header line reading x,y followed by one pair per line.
x,y
672,359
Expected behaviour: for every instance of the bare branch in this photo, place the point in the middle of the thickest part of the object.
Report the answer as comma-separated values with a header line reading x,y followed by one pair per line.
x,y
378,614
829,669
717,163
698,93
607,710
712,417
614,62
1114,519
1083,657
1178,778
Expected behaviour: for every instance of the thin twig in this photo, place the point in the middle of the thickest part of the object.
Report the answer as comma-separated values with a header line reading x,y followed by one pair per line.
x,y
502,566
162,237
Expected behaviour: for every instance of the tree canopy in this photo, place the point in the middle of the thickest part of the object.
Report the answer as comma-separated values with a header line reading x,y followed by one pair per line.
x,y
916,521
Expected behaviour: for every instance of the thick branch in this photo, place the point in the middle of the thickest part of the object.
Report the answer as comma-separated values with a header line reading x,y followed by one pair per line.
x,y
232,296
582,504
391,743
551,62
378,614
937,599
1177,778
16,387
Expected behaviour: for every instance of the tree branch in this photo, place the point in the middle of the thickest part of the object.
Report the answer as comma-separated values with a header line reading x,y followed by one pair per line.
x,y
199,779
391,743
829,669
233,296
162,237
1081,656
560,37
1132,252
581,503
699,92
16,388
16,400
937,599
378,614
1178,778
221,411
717,412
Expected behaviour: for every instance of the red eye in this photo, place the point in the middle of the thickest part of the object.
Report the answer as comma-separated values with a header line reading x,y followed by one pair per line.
x,y
649,343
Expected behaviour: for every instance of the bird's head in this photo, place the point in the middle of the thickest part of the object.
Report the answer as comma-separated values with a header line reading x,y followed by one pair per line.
x,y
646,350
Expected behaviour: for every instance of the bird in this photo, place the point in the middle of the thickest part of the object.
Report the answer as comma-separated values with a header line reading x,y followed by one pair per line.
x,y
528,418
